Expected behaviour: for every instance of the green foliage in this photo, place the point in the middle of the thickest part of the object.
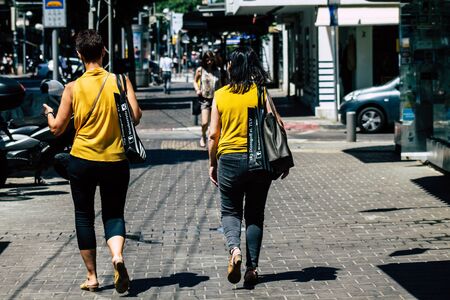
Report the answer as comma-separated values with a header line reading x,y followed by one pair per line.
x,y
179,6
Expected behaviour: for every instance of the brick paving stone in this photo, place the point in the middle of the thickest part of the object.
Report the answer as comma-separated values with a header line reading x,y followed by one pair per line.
x,y
343,225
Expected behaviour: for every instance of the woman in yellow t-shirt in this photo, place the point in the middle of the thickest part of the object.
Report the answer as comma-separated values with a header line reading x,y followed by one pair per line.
x,y
97,156
229,163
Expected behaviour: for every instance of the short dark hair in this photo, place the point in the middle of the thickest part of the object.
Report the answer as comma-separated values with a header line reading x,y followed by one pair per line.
x,y
245,70
89,44
207,56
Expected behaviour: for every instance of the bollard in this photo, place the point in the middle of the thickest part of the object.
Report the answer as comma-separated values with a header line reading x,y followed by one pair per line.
x,y
194,116
351,126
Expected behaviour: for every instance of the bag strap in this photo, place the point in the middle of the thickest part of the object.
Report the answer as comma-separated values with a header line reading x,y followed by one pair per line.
x,y
95,102
261,99
273,108
122,85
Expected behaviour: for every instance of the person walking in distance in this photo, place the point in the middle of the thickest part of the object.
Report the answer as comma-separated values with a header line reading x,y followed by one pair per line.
x,y
165,65
207,80
228,162
97,156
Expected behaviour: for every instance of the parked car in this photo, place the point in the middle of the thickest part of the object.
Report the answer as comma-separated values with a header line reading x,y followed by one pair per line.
x,y
45,70
376,107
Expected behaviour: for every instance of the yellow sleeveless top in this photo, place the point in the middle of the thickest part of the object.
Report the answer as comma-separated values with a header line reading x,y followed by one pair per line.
x,y
233,112
100,138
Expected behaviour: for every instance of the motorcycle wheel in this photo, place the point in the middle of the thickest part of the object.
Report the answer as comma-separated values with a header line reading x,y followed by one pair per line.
x,y
3,169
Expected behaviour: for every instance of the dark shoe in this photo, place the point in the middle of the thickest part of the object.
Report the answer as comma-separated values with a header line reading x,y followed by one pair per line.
x,y
89,287
121,279
251,277
234,266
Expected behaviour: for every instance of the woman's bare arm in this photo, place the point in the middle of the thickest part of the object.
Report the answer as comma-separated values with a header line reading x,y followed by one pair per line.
x,y
135,109
59,122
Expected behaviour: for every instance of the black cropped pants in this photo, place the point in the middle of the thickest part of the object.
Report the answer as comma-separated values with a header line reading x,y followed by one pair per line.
x,y
113,179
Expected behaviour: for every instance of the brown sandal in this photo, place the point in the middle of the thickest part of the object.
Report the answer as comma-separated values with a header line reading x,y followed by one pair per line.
x,y
121,278
234,266
89,287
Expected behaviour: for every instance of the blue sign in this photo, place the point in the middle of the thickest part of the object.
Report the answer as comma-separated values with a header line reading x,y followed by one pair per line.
x,y
408,114
333,15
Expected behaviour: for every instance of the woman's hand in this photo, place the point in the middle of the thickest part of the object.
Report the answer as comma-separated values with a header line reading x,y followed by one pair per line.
x,y
213,175
199,92
47,110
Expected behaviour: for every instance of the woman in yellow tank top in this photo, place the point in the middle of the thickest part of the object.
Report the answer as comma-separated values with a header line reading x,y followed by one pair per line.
x,y
229,163
97,157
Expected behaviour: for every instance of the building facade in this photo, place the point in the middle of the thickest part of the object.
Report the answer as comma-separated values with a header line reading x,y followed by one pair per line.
x,y
320,63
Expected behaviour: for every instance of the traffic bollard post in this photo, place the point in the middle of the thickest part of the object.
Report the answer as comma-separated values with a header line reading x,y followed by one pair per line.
x,y
351,126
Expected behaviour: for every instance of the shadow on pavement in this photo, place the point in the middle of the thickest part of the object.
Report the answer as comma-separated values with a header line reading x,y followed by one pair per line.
x,y
160,89
423,280
171,156
436,186
390,209
374,154
3,246
165,102
406,252
26,192
290,107
305,275
185,279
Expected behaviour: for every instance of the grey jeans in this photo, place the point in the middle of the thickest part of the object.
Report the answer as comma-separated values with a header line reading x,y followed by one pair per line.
x,y
235,183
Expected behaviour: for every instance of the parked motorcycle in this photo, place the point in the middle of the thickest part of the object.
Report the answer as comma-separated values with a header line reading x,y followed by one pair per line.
x,y
28,145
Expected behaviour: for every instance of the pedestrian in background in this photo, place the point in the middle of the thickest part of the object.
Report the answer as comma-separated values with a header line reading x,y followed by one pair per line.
x,y
165,65
207,80
97,156
175,63
229,162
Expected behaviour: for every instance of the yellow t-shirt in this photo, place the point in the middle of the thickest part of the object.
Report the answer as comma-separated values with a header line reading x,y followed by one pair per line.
x,y
233,112
100,138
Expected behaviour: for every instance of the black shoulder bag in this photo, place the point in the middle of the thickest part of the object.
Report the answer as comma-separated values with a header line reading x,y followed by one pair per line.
x,y
275,140
134,149
267,145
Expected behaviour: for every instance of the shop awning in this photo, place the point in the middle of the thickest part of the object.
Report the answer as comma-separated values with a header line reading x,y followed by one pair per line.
x,y
354,16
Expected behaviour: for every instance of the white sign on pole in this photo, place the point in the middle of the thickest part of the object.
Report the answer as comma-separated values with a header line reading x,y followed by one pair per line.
x,y
177,22
54,13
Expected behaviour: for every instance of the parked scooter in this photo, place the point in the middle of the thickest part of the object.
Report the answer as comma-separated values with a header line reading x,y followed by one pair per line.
x,y
30,146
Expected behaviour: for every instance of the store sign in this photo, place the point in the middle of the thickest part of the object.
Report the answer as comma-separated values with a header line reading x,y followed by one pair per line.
x,y
54,13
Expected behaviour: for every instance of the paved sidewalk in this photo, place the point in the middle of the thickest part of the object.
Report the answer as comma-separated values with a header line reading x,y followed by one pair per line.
x,y
351,221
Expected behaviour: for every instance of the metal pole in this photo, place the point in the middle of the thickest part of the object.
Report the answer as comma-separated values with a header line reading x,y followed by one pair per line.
x,y
150,33
351,126
24,44
335,62
186,70
55,54
122,34
91,14
14,30
168,39
157,41
110,36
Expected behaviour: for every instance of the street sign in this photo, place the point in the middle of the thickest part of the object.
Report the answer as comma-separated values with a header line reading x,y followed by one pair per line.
x,y
177,22
54,13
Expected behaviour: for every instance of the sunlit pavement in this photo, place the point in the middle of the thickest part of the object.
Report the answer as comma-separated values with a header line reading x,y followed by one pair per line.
x,y
351,221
